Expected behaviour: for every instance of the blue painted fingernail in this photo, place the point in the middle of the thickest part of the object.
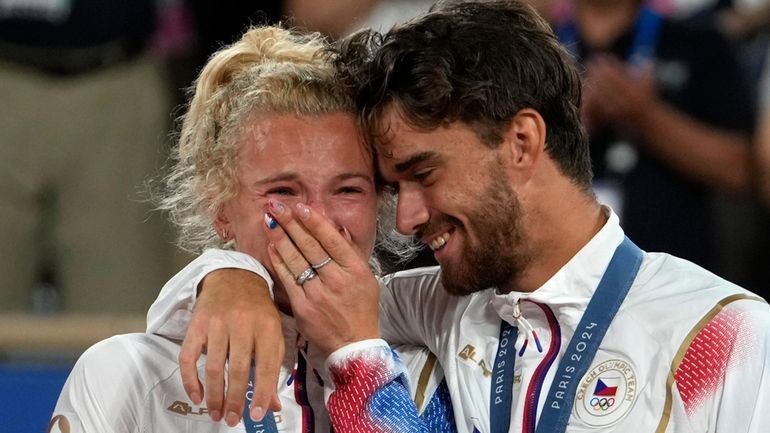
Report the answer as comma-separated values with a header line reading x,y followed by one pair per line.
x,y
270,222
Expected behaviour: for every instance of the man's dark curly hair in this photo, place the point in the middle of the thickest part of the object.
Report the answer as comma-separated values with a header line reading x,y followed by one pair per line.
x,y
477,62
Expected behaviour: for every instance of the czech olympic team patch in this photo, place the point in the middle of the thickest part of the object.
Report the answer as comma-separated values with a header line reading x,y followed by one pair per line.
x,y
606,393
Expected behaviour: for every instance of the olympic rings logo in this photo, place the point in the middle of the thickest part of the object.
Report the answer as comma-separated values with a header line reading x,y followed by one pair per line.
x,y
602,404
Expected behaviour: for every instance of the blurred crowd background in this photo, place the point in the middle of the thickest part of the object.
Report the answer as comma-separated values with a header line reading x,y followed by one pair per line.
x,y
676,103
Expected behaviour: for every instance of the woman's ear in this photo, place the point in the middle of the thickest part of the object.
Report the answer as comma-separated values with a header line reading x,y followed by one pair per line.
x,y
222,225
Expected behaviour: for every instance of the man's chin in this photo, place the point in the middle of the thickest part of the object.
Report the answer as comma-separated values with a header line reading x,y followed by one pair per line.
x,y
456,282
463,278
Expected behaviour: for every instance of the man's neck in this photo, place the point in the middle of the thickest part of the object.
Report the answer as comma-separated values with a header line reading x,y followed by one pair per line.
x,y
557,231
600,23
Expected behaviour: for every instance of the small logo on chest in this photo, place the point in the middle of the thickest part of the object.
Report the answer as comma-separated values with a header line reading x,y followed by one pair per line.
x,y
469,354
185,409
606,393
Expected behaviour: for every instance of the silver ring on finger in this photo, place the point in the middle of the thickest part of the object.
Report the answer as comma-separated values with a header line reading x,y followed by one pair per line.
x,y
323,263
306,275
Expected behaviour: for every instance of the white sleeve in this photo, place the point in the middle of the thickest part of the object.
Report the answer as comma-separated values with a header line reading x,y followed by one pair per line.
x,y
744,404
170,314
411,313
89,402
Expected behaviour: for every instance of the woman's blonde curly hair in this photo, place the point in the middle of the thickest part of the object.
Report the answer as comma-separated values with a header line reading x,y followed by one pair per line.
x,y
269,70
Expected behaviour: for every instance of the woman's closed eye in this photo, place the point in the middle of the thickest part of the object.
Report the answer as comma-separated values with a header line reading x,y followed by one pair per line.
x,y
282,191
349,189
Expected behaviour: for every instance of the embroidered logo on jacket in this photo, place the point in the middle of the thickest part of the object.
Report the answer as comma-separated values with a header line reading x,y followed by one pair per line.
x,y
606,393
185,409
469,354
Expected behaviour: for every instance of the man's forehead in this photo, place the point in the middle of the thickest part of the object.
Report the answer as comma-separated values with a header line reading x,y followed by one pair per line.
x,y
406,158
395,136
386,161
388,126
393,147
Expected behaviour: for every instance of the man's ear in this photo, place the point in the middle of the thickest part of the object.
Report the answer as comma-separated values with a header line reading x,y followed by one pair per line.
x,y
525,140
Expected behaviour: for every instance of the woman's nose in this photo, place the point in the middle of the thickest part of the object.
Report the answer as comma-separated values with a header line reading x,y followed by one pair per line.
x,y
318,204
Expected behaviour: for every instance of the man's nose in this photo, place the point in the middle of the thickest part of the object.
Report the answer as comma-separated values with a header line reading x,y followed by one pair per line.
x,y
411,212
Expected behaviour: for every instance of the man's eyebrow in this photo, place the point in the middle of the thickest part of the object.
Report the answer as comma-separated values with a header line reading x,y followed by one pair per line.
x,y
414,160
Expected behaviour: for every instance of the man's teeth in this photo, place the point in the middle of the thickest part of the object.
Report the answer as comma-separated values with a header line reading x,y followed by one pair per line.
x,y
439,241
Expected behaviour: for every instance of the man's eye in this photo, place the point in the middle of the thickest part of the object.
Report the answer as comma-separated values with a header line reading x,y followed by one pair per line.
x,y
421,176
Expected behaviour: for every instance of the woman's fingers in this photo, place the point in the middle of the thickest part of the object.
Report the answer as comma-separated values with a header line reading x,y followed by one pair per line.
x,y
192,348
304,241
234,318
314,236
266,371
216,354
296,293
296,270
238,369
331,238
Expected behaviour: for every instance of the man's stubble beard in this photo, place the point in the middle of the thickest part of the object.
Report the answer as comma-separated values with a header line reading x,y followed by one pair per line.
x,y
498,258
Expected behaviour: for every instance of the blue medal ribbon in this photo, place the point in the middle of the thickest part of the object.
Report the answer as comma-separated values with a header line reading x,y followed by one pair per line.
x,y
582,348
502,378
267,425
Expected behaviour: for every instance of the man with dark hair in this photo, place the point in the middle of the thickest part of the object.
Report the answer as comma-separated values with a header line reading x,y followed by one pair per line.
x,y
543,315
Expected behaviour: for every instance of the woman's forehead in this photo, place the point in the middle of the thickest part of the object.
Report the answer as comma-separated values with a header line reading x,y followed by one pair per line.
x,y
323,144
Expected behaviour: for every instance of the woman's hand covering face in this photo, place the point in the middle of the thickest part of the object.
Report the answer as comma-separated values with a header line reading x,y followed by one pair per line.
x,y
339,304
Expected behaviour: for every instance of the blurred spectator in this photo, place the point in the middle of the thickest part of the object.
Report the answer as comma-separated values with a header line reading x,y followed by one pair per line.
x,y
207,27
222,22
338,18
747,22
744,223
744,18
669,117
83,117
